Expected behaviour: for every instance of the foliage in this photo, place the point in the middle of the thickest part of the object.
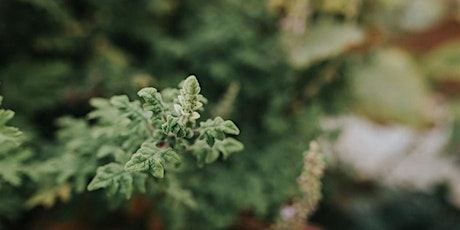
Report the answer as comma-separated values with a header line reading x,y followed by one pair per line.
x,y
295,216
12,165
407,99
276,68
134,142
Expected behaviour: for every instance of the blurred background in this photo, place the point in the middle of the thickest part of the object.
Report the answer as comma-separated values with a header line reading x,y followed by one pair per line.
x,y
375,82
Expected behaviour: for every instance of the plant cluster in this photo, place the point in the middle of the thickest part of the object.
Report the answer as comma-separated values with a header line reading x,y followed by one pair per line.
x,y
129,147
276,68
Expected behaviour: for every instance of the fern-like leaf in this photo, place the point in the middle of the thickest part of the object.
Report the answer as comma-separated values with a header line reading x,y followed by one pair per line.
x,y
8,135
115,180
151,159
153,101
188,101
206,154
216,129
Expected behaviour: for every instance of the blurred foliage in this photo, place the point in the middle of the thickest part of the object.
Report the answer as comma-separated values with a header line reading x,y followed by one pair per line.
x,y
294,216
366,205
274,67
13,166
388,87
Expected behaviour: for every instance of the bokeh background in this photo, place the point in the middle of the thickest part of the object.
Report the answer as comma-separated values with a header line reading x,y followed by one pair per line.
x,y
375,82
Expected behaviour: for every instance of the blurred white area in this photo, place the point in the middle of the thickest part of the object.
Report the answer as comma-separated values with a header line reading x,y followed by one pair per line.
x,y
396,155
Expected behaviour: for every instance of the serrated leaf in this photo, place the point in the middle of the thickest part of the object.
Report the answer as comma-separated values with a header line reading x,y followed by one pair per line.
x,y
97,102
208,138
114,179
229,146
205,154
191,85
139,162
103,110
13,167
106,150
172,157
105,175
157,169
153,100
8,134
230,128
120,101
150,158
172,126
211,130
5,116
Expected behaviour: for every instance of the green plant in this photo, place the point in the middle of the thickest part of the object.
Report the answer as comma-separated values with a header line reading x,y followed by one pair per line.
x,y
286,64
10,160
131,143
159,133
130,147
295,215
13,165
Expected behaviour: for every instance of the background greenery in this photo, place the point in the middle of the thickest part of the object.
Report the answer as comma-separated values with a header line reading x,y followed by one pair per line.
x,y
276,68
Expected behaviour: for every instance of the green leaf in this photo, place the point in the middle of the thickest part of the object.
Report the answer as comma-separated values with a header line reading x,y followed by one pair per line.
x,y
5,116
139,162
13,167
211,156
216,129
229,146
188,102
324,39
172,126
230,128
8,134
191,85
172,157
114,179
205,154
104,110
151,159
120,101
157,169
153,101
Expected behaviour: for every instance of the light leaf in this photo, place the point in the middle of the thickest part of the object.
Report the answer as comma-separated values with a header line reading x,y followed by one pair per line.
x,y
151,159
388,88
322,40
113,178
229,146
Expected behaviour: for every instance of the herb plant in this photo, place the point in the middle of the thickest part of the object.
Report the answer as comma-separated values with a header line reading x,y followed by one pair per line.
x,y
124,147
150,139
